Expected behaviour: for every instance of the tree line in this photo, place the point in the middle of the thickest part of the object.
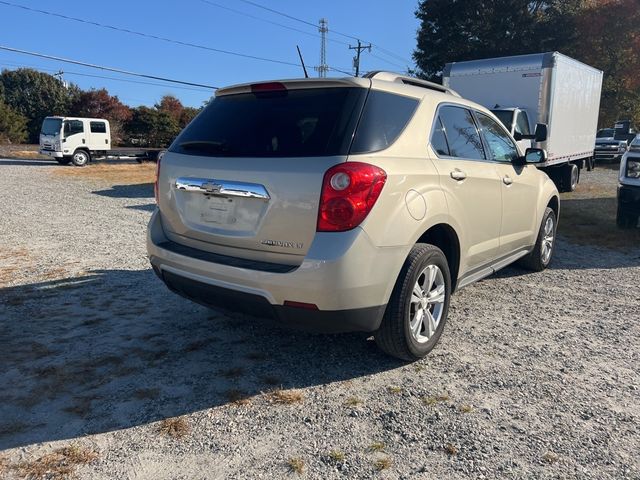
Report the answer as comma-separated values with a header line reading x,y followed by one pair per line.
x,y
28,96
602,33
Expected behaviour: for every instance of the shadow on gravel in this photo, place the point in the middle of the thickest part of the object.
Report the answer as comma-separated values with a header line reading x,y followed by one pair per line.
x,y
149,207
115,349
140,190
27,163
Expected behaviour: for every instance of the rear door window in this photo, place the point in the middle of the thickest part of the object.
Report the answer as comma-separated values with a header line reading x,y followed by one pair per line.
x,y
439,139
98,127
384,118
283,123
73,127
461,133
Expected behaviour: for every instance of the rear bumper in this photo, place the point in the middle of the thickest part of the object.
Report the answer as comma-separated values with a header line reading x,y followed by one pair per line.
x,y
51,153
629,198
344,275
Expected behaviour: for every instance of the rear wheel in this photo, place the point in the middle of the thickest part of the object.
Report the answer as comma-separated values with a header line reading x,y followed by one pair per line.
x,y
540,256
626,219
418,308
80,158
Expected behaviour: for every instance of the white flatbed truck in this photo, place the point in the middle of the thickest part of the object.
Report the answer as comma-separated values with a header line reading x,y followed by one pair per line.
x,y
529,92
80,140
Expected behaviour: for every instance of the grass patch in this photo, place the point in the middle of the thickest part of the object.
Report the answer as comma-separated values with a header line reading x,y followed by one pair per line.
x,y
121,174
286,397
296,465
588,217
58,465
550,457
431,401
353,402
382,463
176,427
337,456
465,408
376,447
394,389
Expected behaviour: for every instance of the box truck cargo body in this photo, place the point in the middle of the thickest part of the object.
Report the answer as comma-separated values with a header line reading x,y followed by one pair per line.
x,y
545,88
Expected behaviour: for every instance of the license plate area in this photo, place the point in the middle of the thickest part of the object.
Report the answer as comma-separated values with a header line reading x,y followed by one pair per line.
x,y
219,211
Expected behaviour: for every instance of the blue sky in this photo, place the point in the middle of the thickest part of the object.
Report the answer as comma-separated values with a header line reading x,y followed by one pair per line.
x,y
390,25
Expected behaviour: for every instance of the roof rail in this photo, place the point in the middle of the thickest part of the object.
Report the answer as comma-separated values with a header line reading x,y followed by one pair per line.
x,y
416,82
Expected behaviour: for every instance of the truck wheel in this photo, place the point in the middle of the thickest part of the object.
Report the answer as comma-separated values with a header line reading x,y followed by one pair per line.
x,y
626,219
80,158
572,177
64,160
418,308
540,256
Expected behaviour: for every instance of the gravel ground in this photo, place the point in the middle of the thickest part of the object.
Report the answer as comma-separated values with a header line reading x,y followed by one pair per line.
x,y
536,375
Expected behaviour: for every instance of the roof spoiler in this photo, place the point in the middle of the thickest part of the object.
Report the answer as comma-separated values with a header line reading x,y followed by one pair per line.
x,y
416,82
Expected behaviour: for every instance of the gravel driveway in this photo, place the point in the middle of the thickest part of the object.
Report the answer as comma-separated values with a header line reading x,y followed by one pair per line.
x,y
536,375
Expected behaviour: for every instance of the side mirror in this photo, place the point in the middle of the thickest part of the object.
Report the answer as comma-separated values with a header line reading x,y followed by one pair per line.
x,y
541,132
535,155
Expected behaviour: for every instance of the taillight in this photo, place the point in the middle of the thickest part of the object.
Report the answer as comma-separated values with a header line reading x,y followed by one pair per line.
x,y
349,192
155,184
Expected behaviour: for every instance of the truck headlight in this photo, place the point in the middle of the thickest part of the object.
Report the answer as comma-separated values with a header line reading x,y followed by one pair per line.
x,y
633,168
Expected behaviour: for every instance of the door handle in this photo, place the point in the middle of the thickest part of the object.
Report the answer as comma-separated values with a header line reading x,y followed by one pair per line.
x,y
507,180
458,174
83,140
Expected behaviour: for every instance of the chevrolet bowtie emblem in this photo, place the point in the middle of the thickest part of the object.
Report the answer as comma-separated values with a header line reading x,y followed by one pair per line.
x,y
211,187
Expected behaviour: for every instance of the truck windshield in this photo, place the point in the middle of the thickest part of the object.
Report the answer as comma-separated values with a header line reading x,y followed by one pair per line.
x,y
606,133
505,116
51,126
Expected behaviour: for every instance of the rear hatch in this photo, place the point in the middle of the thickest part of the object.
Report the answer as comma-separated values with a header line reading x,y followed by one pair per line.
x,y
244,178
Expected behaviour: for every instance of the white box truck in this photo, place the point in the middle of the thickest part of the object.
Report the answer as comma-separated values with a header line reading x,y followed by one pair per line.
x,y
79,140
529,92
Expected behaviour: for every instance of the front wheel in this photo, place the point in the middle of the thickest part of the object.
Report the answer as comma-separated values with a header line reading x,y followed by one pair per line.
x,y
80,158
540,256
417,311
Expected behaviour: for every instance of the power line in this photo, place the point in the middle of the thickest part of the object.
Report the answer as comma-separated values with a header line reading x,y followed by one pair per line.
x,y
345,35
239,12
148,35
66,72
100,67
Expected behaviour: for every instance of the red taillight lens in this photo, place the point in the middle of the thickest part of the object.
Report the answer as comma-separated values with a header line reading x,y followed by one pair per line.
x,y
155,184
349,192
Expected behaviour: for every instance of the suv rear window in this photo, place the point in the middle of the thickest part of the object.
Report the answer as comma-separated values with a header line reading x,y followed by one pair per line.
x,y
289,123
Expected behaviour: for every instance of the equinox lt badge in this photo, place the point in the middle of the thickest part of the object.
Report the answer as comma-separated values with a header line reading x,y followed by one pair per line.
x,y
280,243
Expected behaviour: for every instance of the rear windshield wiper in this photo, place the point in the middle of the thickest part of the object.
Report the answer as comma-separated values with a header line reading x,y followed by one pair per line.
x,y
205,145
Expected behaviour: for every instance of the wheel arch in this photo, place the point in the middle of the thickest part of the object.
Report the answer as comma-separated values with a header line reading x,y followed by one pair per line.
x,y
446,239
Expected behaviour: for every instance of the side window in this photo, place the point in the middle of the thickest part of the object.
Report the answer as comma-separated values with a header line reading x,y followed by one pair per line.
x,y
71,127
98,127
439,139
522,124
501,147
384,117
461,133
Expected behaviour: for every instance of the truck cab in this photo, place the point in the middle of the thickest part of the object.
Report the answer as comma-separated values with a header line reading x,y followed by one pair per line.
x,y
517,122
74,139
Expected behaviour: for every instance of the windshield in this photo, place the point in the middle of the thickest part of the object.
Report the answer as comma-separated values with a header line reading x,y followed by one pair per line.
x,y
282,123
636,142
505,116
51,126
606,133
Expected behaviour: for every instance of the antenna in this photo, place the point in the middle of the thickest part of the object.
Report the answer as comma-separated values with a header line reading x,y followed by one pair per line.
x,y
323,68
306,75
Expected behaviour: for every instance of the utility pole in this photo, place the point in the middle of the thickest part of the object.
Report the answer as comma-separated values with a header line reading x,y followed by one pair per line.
x,y
323,68
60,76
356,59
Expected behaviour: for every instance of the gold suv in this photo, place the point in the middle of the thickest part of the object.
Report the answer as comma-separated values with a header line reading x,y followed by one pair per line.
x,y
356,204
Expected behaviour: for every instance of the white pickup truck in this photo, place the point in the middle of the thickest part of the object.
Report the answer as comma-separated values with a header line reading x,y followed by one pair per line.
x,y
546,100
79,140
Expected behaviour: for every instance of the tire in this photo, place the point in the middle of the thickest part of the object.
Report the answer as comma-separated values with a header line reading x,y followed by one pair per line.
x,y
395,335
573,177
542,253
64,160
80,158
626,219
